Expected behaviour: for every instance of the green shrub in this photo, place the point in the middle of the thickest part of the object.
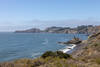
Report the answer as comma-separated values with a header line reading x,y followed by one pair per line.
x,y
48,54
55,54
62,55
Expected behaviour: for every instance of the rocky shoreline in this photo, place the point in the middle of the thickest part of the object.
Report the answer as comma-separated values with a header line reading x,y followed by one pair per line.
x,y
68,49
73,41
76,45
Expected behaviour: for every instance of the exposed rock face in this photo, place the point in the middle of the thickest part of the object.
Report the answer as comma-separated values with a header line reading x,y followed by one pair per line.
x,y
56,30
73,41
80,29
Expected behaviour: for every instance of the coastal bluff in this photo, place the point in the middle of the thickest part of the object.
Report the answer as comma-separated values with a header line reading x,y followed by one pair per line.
x,y
84,29
33,30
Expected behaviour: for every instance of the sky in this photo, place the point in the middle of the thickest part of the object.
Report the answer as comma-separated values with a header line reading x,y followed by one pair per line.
x,y
25,14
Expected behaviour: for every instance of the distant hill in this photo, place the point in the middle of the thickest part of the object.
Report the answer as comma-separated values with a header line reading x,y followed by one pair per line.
x,y
77,30
33,30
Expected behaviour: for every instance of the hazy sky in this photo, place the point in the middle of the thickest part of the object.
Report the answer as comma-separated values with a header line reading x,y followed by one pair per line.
x,y
24,14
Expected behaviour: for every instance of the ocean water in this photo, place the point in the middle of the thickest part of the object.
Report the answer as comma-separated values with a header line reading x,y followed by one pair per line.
x,y
31,45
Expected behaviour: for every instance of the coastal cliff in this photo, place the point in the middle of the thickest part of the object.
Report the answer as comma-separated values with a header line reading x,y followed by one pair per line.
x,y
87,54
33,30
77,30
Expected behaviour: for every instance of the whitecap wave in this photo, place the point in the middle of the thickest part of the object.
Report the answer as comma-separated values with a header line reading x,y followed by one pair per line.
x,y
34,55
68,48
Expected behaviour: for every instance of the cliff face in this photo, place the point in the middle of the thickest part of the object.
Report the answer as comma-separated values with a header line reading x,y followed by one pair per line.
x,y
60,30
78,30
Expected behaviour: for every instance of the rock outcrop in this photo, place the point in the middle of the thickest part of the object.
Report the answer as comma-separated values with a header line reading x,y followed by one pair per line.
x,y
73,41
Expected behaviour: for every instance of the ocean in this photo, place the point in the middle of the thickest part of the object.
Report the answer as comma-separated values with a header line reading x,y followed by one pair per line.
x,y
31,45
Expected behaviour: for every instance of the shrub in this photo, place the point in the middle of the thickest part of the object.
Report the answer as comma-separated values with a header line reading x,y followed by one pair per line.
x,y
48,54
55,54
62,55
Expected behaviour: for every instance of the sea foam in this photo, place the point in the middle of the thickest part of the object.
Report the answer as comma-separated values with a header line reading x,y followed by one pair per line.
x,y
68,48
